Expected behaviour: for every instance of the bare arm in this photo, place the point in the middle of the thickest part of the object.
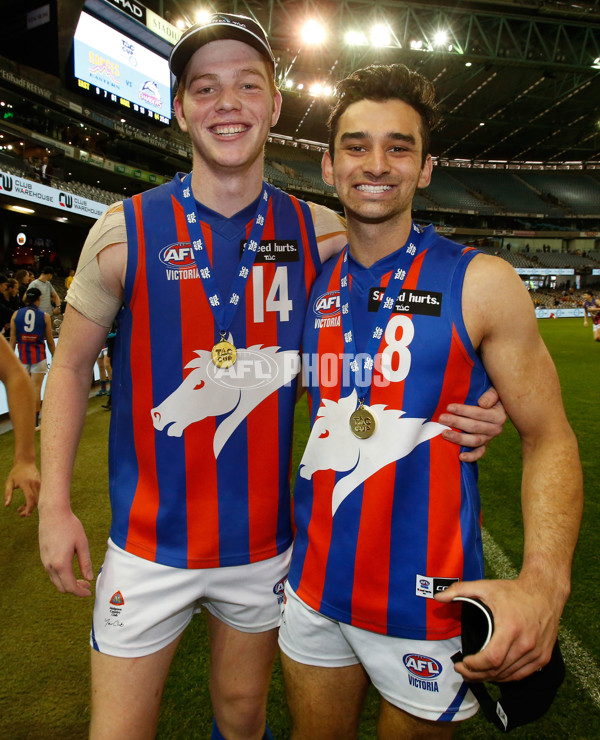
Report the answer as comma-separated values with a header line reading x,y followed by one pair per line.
x,y
61,533
527,610
19,390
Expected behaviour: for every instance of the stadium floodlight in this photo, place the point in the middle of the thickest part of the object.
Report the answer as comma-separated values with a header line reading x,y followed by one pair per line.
x,y
180,24
289,84
416,45
596,63
356,38
440,38
300,87
468,64
313,33
316,89
203,16
380,35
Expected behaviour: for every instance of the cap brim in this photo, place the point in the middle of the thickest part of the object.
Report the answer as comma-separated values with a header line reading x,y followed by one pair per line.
x,y
477,624
185,49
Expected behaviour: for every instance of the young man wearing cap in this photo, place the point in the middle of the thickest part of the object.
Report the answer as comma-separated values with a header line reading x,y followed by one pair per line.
x,y
213,271
30,329
387,516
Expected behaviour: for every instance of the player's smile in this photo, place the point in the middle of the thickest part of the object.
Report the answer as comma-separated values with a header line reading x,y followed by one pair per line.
x,y
372,189
229,130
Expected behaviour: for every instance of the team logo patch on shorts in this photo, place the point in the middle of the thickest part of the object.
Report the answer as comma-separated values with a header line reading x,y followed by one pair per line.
x,y
422,671
117,599
116,604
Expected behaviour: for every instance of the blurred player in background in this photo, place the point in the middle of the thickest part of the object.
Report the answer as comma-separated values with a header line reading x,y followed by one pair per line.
x,y
30,329
591,309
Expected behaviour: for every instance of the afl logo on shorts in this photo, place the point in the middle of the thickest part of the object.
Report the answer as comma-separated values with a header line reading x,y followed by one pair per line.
x,y
178,255
327,305
422,666
279,587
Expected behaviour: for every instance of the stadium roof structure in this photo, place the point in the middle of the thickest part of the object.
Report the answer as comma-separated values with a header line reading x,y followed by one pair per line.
x,y
517,81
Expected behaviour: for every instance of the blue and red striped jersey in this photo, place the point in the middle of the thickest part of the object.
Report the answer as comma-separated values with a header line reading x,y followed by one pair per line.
x,y
30,324
200,455
384,521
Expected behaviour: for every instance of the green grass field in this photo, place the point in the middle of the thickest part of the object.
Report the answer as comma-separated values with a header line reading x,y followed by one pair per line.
x,y
44,689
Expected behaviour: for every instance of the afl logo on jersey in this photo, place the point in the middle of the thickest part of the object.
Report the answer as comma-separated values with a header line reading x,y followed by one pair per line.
x,y
178,256
327,305
422,666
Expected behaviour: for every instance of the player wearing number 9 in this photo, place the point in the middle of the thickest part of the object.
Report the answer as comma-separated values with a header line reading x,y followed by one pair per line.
x,y
30,330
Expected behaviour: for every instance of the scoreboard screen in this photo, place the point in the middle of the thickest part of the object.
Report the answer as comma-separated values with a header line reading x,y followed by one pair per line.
x,y
119,70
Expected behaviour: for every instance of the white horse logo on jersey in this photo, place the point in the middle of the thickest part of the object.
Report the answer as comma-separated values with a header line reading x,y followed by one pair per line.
x,y
237,390
332,445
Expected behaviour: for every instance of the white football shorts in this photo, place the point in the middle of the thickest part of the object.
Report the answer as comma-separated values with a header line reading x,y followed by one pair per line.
x,y
142,606
37,368
417,676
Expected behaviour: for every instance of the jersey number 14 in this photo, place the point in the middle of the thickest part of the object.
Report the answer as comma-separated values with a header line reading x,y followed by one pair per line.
x,y
277,298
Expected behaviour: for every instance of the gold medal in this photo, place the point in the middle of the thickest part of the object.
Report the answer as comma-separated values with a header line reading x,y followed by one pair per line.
x,y
362,422
224,354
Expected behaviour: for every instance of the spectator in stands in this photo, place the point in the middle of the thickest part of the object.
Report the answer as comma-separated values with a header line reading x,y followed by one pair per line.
x,y
12,293
46,171
69,279
5,308
30,330
50,301
24,473
23,277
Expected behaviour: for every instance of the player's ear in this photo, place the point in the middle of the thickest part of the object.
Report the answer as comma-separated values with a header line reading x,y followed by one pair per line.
x,y
327,168
178,108
425,176
277,100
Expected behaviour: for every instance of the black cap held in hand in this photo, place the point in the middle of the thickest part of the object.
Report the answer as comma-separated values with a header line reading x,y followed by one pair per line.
x,y
521,701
